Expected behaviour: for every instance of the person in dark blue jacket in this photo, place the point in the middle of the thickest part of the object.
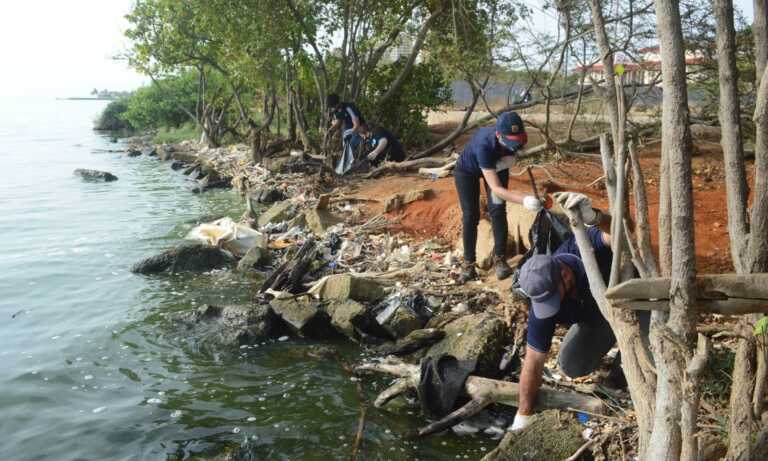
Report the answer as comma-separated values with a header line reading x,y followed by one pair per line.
x,y
382,146
347,116
488,155
559,293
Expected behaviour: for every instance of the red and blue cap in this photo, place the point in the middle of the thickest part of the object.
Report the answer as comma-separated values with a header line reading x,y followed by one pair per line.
x,y
511,131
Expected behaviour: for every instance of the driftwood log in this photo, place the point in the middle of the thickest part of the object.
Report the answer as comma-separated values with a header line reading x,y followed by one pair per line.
x,y
728,294
290,273
409,165
481,391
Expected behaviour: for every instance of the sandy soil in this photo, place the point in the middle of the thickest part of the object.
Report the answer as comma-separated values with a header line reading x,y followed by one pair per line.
x,y
440,216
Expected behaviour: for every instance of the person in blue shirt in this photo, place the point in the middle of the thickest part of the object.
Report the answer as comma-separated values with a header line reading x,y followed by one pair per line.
x,y
382,146
347,116
559,294
488,155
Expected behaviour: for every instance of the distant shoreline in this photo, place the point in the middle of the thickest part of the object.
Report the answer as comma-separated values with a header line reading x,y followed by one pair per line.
x,y
85,99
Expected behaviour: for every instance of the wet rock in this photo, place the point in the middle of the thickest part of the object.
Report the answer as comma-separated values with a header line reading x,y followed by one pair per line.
x,y
229,327
397,201
193,258
304,317
151,152
345,286
165,152
355,320
177,165
480,337
276,213
210,182
401,322
551,435
416,340
402,313
94,175
268,195
318,221
134,153
254,258
190,169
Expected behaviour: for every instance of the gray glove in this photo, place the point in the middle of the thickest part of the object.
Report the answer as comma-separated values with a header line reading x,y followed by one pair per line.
x,y
576,202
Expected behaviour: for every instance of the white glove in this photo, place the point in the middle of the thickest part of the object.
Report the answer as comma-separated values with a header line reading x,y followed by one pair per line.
x,y
531,203
576,201
520,422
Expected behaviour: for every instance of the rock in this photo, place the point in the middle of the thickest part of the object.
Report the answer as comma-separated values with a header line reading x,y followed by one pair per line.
x,y
354,319
134,153
95,175
229,327
193,258
403,313
177,165
484,248
397,201
318,221
254,258
151,152
416,339
345,286
277,213
165,152
190,169
304,317
480,337
551,435
268,195
210,182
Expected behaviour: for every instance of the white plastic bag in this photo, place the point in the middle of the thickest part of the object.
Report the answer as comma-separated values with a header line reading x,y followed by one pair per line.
x,y
229,235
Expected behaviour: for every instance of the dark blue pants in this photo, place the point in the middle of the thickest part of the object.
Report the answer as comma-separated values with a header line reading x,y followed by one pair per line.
x,y
468,187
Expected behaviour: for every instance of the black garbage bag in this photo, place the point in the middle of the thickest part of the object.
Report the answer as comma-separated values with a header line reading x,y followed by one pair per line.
x,y
441,382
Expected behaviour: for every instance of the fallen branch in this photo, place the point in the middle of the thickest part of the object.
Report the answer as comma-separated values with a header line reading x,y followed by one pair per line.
x,y
410,165
482,392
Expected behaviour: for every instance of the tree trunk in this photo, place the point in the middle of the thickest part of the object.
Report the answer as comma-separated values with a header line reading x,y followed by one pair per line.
x,y
731,140
674,428
760,31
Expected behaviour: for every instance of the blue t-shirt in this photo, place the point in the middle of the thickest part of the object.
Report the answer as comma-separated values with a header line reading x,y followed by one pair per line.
x,y
481,152
583,308
346,112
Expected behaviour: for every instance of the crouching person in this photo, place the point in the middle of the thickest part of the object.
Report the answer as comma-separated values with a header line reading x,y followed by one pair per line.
x,y
559,294
382,145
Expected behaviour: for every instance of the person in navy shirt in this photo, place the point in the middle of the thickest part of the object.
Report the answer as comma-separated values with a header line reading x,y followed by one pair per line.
x,y
382,146
559,294
347,116
488,155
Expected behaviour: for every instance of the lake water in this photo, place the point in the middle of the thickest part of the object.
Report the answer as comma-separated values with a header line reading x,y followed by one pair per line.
x,y
90,367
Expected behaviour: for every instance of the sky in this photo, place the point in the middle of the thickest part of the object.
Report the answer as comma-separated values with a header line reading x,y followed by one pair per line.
x,y
60,48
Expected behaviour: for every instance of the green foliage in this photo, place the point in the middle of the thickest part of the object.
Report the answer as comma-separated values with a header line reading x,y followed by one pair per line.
x,y
167,103
405,113
111,118
716,379
172,135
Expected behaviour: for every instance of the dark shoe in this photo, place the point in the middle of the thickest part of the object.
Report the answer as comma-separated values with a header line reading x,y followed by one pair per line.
x,y
468,273
502,268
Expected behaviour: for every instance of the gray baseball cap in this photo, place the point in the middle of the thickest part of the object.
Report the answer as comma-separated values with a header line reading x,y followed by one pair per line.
x,y
540,280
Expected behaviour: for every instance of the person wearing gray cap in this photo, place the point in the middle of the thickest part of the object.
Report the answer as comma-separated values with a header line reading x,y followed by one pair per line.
x,y
559,294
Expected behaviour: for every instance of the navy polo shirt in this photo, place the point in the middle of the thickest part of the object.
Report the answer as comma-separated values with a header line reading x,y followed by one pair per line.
x,y
394,150
345,114
583,308
481,152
